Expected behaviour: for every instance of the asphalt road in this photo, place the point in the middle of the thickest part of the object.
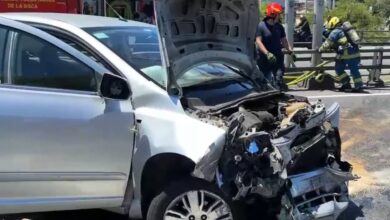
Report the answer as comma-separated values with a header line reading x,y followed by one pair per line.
x,y
365,131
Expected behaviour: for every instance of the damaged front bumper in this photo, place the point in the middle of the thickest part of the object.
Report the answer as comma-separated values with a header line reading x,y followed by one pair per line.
x,y
297,164
320,194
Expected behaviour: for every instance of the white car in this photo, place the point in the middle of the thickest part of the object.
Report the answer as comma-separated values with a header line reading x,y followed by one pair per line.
x,y
92,117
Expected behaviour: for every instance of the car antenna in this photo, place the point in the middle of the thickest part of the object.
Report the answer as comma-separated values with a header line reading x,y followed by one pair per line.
x,y
116,13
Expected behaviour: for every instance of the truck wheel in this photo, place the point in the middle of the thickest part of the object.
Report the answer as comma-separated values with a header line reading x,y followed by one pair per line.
x,y
191,199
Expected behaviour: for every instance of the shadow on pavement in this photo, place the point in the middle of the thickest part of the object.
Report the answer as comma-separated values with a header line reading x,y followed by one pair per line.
x,y
353,212
67,215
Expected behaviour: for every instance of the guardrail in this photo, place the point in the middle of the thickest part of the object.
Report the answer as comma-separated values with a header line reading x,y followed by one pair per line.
x,y
373,36
368,38
308,44
377,60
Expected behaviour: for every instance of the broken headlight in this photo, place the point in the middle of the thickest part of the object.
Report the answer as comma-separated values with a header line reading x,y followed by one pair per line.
x,y
251,164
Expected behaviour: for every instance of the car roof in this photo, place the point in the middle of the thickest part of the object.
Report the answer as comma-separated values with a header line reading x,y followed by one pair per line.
x,y
77,20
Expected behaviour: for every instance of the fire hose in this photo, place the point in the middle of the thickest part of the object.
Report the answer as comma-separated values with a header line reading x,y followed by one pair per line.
x,y
318,76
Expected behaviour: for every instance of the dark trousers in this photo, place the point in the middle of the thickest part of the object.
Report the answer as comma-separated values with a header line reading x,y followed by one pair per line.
x,y
273,73
353,66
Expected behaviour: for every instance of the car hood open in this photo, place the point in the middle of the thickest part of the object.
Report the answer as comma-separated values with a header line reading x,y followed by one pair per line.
x,y
193,32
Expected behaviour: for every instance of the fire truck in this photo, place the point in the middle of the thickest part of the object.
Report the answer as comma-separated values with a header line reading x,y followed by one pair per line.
x,y
125,8
91,7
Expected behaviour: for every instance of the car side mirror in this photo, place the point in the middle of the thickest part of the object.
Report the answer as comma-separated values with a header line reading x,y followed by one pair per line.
x,y
114,87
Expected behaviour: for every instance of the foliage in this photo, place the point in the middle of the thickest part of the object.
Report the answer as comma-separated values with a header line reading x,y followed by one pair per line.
x,y
381,7
262,9
358,13
310,17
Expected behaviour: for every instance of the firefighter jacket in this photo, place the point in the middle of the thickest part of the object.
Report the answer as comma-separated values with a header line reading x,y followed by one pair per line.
x,y
338,42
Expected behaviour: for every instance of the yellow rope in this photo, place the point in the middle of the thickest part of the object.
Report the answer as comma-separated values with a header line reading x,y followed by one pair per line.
x,y
308,75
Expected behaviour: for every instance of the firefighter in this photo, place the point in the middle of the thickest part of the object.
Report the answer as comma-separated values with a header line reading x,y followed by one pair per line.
x,y
347,54
270,39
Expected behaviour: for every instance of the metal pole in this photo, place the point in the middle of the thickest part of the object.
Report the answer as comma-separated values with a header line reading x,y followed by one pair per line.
x,y
305,7
317,33
373,72
290,24
329,4
380,62
333,4
261,12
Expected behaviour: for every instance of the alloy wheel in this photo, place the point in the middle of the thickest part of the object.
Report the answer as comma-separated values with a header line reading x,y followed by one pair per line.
x,y
198,205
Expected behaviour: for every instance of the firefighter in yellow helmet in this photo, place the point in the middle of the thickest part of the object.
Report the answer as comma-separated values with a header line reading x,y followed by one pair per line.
x,y
333,23
344,42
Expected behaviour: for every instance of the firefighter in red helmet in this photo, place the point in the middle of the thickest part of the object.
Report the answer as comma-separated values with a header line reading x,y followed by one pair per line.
x,y
270,40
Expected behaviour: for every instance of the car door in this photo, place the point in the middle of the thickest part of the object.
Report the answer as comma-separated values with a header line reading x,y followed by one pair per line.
x,y
62,146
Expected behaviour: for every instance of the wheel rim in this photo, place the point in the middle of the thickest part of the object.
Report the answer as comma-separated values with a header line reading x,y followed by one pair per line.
x,y
198,205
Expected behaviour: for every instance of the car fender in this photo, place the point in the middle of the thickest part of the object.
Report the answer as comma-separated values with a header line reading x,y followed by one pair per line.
x,y
162,131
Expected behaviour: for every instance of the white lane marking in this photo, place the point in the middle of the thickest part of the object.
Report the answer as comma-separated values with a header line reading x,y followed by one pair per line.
x,y
348,95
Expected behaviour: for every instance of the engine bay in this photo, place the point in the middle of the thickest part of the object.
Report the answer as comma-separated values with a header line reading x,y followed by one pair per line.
x,y
277,148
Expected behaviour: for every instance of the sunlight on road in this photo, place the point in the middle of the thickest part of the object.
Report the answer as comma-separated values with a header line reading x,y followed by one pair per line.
x,y
363,140
366,180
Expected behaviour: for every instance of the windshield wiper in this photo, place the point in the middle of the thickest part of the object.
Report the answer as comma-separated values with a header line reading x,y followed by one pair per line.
x,y
244,76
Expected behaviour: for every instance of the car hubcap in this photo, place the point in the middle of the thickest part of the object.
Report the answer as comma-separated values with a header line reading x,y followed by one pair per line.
x,y
198,205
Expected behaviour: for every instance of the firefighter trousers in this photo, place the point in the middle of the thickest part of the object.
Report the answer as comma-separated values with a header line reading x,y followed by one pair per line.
x,y
353,66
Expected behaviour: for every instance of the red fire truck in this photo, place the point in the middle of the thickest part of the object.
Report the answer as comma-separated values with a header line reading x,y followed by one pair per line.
x,y
125,8
61,6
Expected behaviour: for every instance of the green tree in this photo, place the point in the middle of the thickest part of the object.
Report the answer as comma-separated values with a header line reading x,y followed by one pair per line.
x,y
381,6
358,13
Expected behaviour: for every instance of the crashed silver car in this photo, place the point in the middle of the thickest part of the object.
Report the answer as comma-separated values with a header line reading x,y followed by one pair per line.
x,y
172,125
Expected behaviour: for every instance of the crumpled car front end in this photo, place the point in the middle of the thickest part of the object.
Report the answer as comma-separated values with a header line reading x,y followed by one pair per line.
x,y
285,149
320,194
277,147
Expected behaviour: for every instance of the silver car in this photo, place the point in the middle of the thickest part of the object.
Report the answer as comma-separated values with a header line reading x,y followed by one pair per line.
x,y
93,115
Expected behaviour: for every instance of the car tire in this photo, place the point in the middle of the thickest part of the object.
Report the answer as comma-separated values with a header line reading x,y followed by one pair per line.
x,y
170,202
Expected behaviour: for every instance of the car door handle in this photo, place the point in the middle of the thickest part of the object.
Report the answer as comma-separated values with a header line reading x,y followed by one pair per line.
x,y
135,128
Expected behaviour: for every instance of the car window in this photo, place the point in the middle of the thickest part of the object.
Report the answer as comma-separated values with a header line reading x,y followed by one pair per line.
x,y
81,48
38,63
3,35
78,46
138,46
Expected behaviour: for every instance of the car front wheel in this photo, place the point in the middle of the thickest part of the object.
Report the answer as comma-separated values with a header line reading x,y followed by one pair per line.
x,y
191,199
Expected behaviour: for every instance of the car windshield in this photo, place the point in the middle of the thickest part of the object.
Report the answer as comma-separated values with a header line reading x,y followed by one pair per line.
x,y
139,47
203,74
